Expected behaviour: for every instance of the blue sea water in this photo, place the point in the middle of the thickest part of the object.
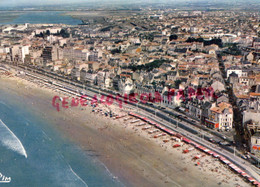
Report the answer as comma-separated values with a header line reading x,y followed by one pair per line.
x,y
41,17
33,153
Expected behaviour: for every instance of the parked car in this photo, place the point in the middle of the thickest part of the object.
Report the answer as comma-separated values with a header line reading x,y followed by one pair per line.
x,y
211,140
228,144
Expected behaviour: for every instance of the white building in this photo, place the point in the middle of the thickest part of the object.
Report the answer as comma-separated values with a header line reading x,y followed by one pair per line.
x,y
220,116
237,70
18,52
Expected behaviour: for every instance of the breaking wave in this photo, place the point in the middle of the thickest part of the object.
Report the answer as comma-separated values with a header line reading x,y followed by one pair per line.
x,y
10,140
78,176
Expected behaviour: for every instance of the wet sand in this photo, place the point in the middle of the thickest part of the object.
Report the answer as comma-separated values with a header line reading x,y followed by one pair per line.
x,y
130,153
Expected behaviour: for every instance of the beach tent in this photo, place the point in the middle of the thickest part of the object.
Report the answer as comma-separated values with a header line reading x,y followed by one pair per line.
x,y
224,160
210,152
251,179
197,157
256,183
186,140
145,119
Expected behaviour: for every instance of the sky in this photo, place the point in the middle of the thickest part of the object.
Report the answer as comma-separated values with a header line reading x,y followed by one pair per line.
x,y
34,2
14,3
61,2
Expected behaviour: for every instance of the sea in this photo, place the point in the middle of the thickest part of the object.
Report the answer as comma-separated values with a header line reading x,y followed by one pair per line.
x,y
34,153
41,17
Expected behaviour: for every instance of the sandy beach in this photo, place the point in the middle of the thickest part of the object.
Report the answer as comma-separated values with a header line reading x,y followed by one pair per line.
x,y
129,151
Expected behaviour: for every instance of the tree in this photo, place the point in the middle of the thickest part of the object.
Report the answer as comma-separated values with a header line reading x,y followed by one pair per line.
x,y
233,50
190,40
173,37
177,83
216,41
149,66
64,33
48,33
114,51
41,35
150,37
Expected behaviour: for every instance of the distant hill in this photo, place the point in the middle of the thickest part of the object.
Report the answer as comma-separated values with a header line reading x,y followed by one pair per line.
x,y
75,4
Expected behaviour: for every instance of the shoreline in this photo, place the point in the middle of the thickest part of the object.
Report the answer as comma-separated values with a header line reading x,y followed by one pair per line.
x,y
129,152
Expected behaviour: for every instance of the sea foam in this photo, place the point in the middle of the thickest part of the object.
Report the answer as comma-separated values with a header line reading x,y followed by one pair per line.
x,y
10,140
78,176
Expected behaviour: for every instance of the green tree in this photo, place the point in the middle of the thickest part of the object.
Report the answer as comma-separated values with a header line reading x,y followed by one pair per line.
x,y
177,83
149,66
48,33
173,37
41,35
64,33
114,51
